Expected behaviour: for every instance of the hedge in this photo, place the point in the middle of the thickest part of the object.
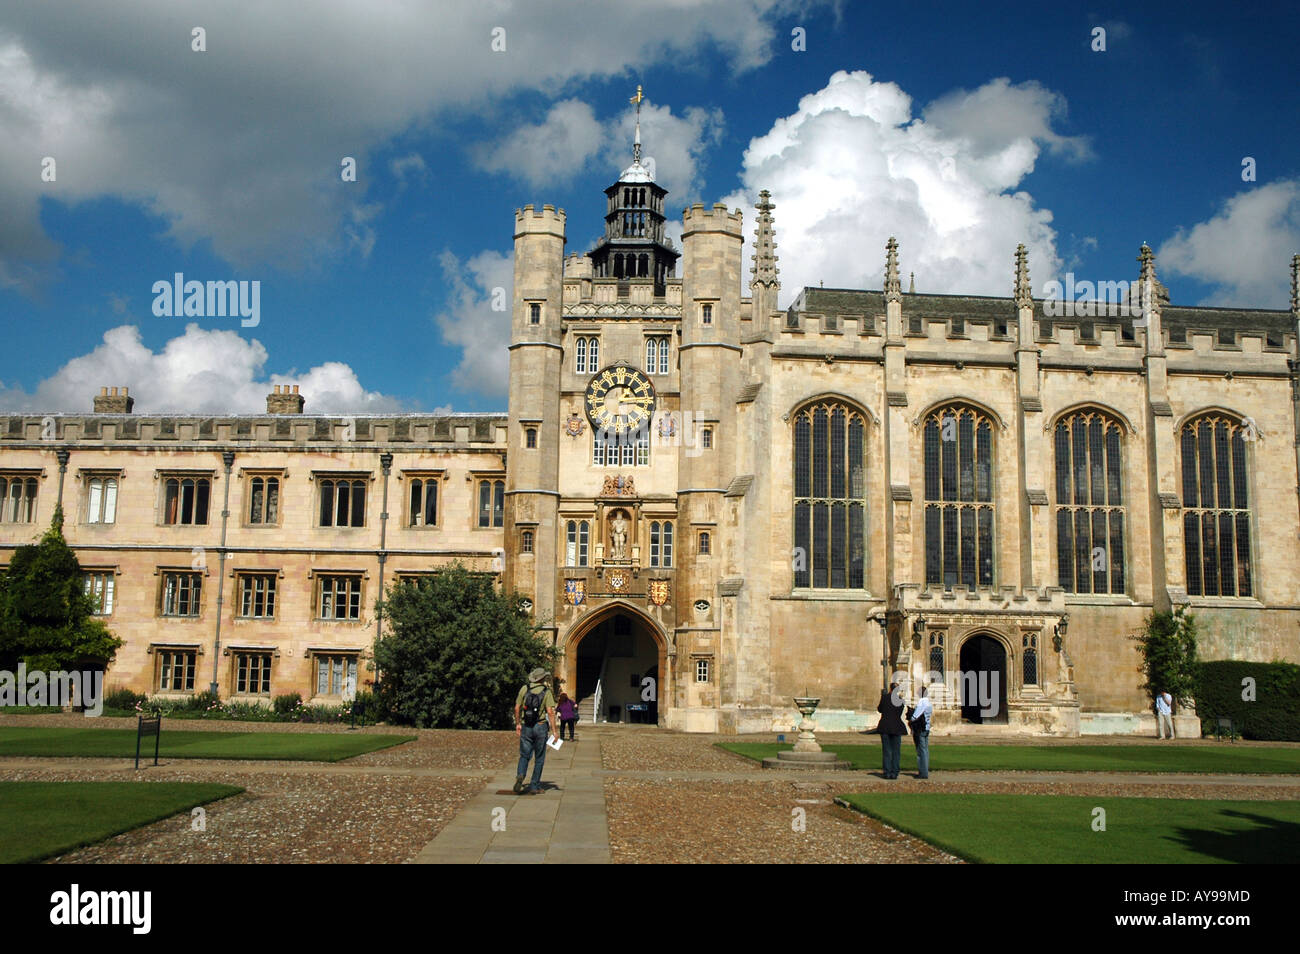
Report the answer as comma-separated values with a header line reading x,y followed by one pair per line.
x,y
1274,715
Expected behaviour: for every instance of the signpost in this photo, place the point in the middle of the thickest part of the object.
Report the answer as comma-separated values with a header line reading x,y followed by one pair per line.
x,y
146,727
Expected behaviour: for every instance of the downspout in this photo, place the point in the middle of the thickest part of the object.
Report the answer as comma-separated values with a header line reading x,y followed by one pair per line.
x,y
227,458
62,455
386,462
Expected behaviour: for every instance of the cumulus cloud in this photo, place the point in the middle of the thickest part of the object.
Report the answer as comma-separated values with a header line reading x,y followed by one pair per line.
x,y
1245,250
198,372
241,145
570,141
854,165
470,323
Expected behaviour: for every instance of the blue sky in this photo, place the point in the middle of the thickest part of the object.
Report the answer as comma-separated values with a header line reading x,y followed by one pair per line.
x,y
961,128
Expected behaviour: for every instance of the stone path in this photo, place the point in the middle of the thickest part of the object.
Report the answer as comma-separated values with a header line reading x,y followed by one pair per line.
x,y
566,824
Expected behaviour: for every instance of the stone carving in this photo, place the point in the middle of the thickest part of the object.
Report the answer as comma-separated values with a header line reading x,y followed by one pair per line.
x,y
575,425
618,537
618,487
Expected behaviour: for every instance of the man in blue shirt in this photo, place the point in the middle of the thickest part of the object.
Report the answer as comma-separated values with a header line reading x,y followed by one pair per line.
x,y
919,720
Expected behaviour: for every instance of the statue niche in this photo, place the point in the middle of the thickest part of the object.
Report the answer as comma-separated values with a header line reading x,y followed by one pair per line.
x,y
618,531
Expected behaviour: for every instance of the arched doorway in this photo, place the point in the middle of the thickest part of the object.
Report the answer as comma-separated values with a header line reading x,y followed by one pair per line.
x,y
983,688
620,650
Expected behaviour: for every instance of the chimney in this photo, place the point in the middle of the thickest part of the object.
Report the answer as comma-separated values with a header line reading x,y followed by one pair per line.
x,y
113,401
285,399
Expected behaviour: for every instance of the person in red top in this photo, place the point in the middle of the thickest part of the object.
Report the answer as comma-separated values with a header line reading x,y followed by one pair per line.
x,y
568,712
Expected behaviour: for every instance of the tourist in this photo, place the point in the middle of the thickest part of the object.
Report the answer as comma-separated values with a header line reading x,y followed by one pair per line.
x,y
891,729
1164,715
568,710
534,717
919,720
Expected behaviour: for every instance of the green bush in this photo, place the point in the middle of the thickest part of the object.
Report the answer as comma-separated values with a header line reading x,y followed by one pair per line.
x,y
123,699
1274,712
285,704
455,651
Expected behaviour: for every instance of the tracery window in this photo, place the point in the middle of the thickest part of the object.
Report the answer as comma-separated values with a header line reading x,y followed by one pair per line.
x,y
1030,659
1216,506
958,446
1090,507
829,497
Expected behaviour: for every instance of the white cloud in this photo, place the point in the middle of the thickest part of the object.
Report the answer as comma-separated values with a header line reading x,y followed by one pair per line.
x,y
241,144
554,150
853,166
470,323
198,372
1245,249
408,167
571,141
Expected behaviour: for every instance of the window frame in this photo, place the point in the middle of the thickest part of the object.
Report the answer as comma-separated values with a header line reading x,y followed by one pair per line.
x,y
265,668
107,589
425,478
165,479
826,490
194,578
170,653
494,509
328,481
949,494
251,477
351,666
1238,479
243,578
358,597
29,484
89,478
1066,472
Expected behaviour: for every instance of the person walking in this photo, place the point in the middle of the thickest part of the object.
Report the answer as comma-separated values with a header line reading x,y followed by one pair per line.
x,y
919,720
891,729
1164,715
534,718
568,711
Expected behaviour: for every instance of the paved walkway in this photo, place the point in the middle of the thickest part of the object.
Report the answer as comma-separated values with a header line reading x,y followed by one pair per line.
x,y
566,824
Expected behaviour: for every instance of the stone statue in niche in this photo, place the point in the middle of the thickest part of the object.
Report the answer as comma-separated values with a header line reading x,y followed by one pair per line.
x,y
618,536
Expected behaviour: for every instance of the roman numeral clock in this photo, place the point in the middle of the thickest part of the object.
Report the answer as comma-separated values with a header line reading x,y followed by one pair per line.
x,y
620,400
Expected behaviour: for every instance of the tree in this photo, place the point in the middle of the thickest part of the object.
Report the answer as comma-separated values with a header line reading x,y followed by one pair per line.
x,y
46,617
1169,661
455,651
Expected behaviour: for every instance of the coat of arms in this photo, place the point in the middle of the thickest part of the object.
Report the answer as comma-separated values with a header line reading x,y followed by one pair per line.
x,y
658,592
667,426
575,591
575,425
618,487
617,581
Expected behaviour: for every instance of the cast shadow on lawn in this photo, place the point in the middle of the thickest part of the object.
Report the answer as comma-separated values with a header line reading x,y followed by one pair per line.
x,y
1270,841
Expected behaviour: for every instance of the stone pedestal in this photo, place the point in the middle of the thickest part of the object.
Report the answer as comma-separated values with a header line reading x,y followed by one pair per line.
x,y
807,753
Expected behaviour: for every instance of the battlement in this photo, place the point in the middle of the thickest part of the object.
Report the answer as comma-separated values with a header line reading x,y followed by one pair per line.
x,y
548,220
697,218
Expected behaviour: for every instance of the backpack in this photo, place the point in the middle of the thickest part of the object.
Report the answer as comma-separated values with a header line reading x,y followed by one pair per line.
x,y
532,711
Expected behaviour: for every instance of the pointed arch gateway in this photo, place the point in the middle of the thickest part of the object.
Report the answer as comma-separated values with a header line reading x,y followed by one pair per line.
x,y
611,646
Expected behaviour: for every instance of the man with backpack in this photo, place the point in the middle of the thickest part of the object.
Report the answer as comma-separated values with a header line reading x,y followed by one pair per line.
x,y
534,720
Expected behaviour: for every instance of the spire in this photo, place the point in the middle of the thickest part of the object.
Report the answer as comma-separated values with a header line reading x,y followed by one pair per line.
x,y
765,270
1024,292
911,284
1295,286
893,289
636,143
1150,289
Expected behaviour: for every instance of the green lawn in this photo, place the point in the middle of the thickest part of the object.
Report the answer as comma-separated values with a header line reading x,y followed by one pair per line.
x,y
1057,829
1201,759
179,744
41,819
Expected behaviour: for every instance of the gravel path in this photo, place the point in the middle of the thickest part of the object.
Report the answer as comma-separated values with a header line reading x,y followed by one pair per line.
x,y
286,817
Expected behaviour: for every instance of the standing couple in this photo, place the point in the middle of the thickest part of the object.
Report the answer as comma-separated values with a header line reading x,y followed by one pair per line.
x,y
892,730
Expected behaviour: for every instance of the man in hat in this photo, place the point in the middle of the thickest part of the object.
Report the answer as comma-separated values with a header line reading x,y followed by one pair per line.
x,y
534,720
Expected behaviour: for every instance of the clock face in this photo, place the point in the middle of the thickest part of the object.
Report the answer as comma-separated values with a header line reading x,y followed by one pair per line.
x,y
620,399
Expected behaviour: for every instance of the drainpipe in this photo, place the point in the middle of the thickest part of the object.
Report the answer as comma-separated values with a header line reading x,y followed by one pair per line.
x,y
227,458
386,462
62,455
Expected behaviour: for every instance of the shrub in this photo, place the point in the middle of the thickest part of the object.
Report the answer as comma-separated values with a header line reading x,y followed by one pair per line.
x,y
285,704
455,651
123,699
1273,714
1168,646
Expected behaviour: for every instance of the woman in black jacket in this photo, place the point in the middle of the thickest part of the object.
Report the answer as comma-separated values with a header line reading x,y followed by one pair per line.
x,y
891,729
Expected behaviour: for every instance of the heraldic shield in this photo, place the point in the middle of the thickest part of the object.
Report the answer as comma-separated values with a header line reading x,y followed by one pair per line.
x,y
658,592
575,591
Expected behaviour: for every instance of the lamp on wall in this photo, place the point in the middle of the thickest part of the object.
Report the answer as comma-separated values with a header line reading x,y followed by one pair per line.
x,y
1058,632
918,629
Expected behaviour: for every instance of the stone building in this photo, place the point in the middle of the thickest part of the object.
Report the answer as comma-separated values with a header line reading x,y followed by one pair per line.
x,y
714,505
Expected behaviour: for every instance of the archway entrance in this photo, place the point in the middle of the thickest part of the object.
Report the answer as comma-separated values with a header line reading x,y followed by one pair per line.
x,y
616,656
983,680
